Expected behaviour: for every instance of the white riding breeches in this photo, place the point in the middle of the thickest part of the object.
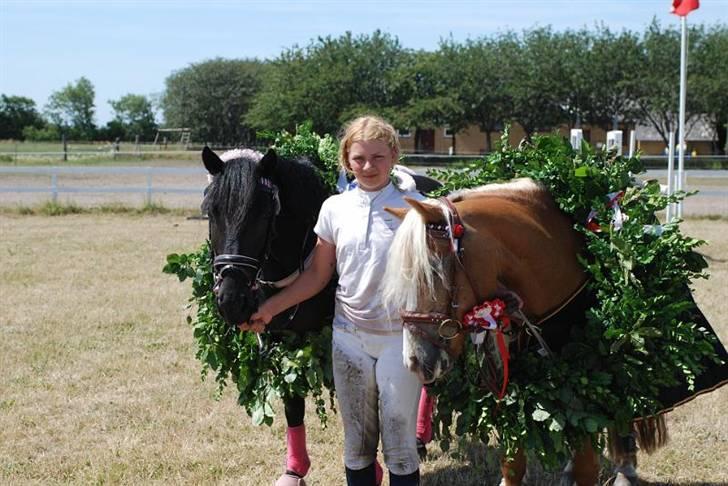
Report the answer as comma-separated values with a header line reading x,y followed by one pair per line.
x,y
376,395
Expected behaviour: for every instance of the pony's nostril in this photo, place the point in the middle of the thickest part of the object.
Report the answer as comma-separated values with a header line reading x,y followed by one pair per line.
x,y
413,363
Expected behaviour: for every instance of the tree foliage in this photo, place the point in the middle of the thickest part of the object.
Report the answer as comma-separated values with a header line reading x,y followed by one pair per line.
x,y
17,113
538,91
610,75
709,72
211,98
327,82
134,115
72,109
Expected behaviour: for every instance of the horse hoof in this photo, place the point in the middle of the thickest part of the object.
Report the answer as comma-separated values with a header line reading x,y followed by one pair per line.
x,y
289,479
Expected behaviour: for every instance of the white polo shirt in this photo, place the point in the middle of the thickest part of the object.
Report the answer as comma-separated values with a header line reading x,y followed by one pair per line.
x,y
356,223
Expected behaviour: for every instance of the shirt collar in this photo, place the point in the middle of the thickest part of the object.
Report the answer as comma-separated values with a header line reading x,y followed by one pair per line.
x,y
371,196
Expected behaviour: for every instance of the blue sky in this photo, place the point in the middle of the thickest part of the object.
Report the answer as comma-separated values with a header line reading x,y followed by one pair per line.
x,y
131,46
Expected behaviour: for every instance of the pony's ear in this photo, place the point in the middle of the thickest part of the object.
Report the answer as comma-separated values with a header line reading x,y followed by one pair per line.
x,y
213,163
268,163
431,213
398,212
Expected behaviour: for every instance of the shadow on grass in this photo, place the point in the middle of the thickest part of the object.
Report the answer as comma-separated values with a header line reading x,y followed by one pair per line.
x,y
478,464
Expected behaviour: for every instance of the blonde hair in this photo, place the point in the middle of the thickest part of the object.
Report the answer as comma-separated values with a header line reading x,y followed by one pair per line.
x,y
363,129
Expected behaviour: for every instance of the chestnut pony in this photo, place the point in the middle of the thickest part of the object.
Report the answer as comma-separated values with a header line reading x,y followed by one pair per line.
x,y
516,238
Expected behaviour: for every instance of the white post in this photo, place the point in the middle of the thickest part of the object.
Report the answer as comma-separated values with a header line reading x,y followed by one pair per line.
x,y
632,143
614,141
670,176
54,187
576,136
683,95
149,186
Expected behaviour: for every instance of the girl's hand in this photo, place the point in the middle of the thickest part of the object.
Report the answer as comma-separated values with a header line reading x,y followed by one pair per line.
x,y
258,320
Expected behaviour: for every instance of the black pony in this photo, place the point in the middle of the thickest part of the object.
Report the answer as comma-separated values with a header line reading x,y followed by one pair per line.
x,y
261,211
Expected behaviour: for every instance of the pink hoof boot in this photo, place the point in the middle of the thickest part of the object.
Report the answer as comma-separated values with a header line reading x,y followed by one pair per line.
x,y
290,480
378,472
297,460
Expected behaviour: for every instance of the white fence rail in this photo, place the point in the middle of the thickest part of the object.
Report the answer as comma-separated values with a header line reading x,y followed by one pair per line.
x,y
53,187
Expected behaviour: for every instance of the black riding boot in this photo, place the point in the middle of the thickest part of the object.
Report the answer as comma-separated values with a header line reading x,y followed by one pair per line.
x,y
361,477
411,479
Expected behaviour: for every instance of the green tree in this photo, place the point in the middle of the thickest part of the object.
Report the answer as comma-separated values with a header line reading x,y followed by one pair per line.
x,y
708,70
327,82
16,113
657,88
212,98
478,78
613,69
420,95
72,109
574,49
135,116
537,87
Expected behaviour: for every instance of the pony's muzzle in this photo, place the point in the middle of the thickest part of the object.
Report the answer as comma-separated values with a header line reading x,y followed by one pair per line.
x,y
235,305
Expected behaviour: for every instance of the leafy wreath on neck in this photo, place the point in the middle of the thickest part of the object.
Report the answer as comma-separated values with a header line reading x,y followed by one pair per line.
x,y
638,338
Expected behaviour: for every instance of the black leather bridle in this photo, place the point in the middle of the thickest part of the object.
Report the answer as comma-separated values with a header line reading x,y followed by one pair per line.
x,y
250,267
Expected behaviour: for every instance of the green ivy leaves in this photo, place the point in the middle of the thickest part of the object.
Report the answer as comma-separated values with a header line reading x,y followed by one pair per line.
x,y
638,338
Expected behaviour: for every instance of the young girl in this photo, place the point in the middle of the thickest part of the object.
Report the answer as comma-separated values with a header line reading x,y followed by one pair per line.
x,y
377,395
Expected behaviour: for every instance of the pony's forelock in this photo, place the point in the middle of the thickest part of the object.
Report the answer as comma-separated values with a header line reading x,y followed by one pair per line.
x,y
413,269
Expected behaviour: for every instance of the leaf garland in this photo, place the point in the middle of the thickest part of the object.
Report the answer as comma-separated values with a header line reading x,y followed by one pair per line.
x,y
287,366
638,338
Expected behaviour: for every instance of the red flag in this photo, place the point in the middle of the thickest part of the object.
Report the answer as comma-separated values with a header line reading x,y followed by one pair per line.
x,y
684,7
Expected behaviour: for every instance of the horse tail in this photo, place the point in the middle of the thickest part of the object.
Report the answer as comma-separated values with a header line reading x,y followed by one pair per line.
x,y
651,432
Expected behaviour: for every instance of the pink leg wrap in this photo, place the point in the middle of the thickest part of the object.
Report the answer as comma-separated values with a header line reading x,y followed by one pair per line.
x,y
378,473
297,460
424,416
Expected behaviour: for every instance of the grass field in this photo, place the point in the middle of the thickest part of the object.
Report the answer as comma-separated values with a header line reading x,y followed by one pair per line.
x,y
100,384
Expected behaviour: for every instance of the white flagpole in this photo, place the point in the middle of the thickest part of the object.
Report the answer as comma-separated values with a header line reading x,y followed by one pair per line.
x,y
670,176
683,95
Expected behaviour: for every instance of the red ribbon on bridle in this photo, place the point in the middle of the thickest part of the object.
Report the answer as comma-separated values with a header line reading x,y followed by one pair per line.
x,y
491,316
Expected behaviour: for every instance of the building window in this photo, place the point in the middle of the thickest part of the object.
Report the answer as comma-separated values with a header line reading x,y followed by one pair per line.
x,y
447,132
404,133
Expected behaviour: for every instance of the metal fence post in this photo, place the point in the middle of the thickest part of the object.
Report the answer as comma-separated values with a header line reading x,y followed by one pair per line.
x,y
632,143
149,186
54,187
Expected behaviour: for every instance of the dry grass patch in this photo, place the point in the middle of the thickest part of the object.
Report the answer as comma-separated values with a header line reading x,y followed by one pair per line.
x,y
100,383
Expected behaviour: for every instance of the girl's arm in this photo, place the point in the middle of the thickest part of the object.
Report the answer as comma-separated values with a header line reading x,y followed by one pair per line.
x,y
308,284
